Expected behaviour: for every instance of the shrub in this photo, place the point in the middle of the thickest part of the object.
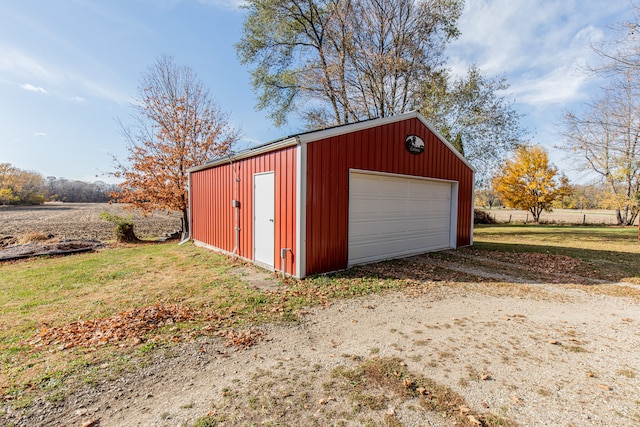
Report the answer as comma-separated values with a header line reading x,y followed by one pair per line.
x,y
124,227
482,217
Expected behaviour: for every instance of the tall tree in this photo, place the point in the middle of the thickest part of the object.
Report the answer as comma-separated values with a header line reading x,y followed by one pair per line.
x,y
529,182
604,137
338,61
177,126
473,113
20,187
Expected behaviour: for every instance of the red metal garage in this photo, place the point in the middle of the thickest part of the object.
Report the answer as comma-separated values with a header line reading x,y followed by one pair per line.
x,y
326,200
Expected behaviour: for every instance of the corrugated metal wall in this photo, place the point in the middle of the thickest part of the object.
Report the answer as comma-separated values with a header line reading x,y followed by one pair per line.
x,y
381,149
212,215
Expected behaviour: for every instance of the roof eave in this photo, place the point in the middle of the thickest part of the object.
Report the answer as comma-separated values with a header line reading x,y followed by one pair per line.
x,y
308,137
288,142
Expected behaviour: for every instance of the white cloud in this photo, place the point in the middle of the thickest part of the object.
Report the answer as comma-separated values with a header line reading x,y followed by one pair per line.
x,y
105,92
558,86
21,64
227,4
541,47
506,35
37,134
32,88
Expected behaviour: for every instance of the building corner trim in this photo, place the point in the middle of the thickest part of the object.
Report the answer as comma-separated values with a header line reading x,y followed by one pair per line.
x,y
301,210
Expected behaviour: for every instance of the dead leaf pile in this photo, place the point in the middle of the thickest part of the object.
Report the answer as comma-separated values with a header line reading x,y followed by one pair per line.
x,y
242,339
547,263
126,326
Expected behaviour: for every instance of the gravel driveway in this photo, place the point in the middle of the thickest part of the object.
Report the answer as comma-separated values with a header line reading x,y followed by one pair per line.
x,y
535,353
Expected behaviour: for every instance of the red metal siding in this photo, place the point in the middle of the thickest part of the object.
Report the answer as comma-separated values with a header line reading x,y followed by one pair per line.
x,y
381,149
213,216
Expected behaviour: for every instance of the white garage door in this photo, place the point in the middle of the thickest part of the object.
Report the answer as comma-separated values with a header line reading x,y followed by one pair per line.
x,y
392,216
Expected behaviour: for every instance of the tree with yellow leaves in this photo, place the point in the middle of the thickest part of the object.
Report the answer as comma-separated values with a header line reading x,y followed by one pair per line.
x,y
177,126
20,187
529,182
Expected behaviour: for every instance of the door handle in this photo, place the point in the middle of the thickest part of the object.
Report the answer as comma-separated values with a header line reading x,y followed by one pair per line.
x,y
271,220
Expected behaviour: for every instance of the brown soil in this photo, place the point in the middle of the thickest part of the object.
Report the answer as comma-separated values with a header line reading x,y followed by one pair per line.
x,y
78,221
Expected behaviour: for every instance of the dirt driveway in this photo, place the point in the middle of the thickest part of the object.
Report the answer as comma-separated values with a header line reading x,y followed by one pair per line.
x,y
534,349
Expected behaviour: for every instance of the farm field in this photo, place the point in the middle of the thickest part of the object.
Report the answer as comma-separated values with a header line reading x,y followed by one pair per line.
x,y
533,325
557,216
80,221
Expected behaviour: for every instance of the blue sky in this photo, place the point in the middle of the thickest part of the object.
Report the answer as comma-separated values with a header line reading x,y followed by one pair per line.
x,y
69,69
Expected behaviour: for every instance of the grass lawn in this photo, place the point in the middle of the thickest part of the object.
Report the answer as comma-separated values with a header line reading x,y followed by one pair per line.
x,y
45,294
614,250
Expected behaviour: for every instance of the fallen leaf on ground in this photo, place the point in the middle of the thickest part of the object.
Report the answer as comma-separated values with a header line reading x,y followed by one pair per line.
x,y
473,420
129,325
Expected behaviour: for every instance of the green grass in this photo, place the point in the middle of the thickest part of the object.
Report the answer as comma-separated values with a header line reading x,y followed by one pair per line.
x,y
608,249
54,292
50,292
561,236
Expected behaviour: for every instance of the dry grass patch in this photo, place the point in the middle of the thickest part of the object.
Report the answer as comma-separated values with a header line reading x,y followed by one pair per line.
x,y
33,237
378,391
67,295
382,384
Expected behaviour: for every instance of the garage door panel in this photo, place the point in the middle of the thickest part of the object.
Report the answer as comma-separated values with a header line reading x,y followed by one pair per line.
x,y
430,208
429,226
391,210
396,216
363,229
434,189
364,252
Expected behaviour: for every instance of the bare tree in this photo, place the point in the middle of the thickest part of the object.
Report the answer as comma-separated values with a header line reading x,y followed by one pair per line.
x,y
337,61
63,190
606,140
605,136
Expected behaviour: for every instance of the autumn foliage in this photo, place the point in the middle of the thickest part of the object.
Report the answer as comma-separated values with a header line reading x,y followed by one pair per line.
x,y
178,126
529,182
20,187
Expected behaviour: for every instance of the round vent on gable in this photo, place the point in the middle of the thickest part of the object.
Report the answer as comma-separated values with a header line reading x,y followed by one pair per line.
x,y
414,144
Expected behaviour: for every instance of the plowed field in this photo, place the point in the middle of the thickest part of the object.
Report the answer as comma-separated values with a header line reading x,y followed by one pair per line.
x,y
79,221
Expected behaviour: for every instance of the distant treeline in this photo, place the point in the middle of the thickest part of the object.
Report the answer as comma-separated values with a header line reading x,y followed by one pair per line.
x,y
20,187
583,196
64,190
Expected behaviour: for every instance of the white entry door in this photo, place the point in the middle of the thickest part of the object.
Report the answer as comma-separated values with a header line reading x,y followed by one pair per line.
x,y
263,219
